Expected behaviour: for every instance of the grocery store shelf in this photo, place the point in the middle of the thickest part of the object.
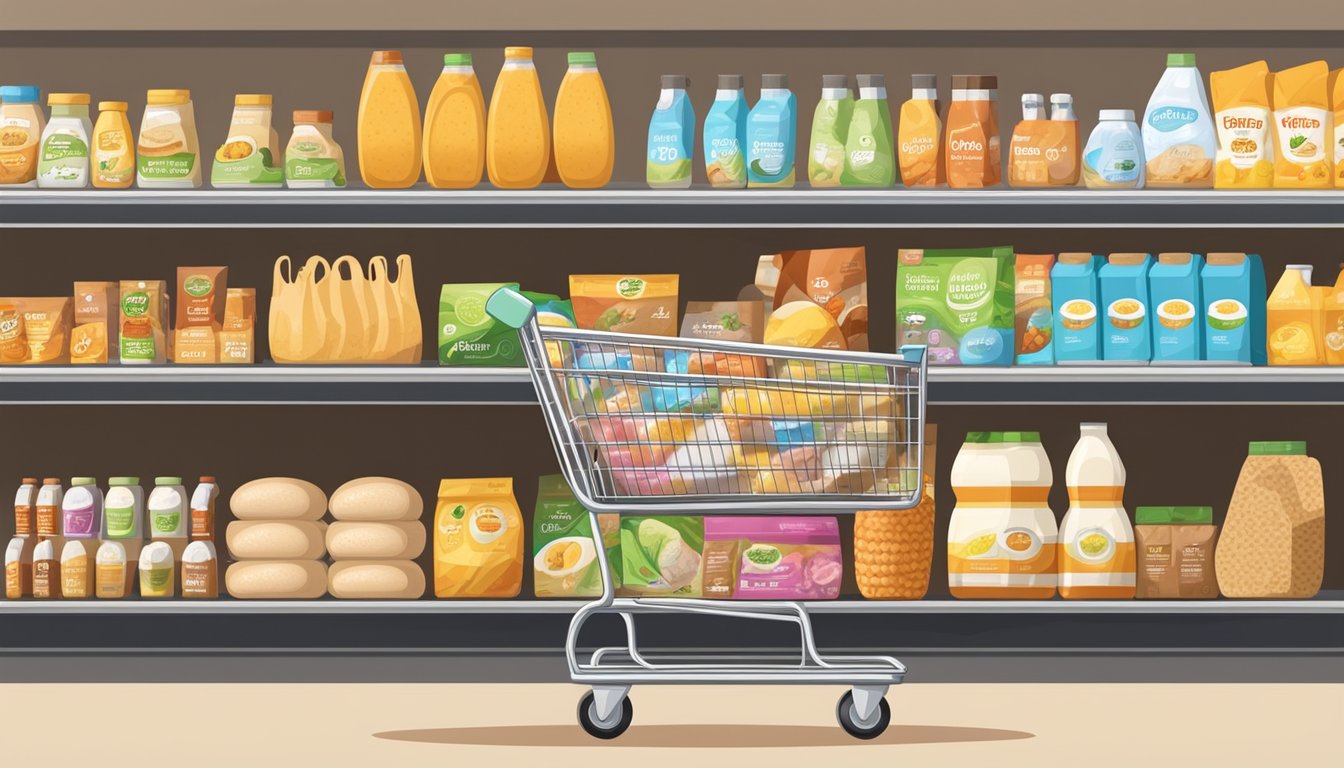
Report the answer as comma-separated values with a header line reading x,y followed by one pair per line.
x,y
697,208
431,384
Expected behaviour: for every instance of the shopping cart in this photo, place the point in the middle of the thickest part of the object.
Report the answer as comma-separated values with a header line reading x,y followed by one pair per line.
x,y
660,426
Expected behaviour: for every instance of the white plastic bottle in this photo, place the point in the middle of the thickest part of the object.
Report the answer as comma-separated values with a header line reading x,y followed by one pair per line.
x,y
1113,158
63,162
24,502
1179,140
123,509
82,509
48,507
168,509
203,509
1096,539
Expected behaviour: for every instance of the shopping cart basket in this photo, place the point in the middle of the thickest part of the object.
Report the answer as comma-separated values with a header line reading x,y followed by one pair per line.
x,y
659,426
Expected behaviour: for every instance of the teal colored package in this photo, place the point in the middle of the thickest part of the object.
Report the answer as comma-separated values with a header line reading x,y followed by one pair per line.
x,y
1174,285
1075,296
1234,308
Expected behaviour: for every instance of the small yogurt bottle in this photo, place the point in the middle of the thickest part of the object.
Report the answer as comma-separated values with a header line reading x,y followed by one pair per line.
x,y
123,509
82,509
1113,158
168,509
63,161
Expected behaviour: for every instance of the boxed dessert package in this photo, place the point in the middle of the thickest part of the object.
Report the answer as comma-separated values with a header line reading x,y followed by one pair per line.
x,y
957,301
772,558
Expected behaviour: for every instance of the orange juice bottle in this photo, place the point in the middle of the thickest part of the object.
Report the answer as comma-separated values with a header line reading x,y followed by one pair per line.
x,y
1295,319
518,132
585,140
1332,320
972,143
388,132
919,137
454,149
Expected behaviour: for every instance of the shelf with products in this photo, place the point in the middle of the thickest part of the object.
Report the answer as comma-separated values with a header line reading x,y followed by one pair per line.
x,y
628,206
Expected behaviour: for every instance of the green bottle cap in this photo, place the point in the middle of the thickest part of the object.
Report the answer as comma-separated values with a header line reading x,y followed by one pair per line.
x,y
123,481
582,59
1173,516
166,480
1180,59
1279,448
83,481
1003,437
457,59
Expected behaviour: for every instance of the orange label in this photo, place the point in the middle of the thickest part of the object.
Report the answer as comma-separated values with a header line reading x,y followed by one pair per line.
x,y
1044,153
1086,493
1035,495
48,521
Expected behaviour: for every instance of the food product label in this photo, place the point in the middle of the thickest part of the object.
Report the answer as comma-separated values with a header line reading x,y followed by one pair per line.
x,y
317,169
241,162
957,302
468,335
165,521
48,520
120,519
64,159
110,580
111,157
157,579
75,577
172,167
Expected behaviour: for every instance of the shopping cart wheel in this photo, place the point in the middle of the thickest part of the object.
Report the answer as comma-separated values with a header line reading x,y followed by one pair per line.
x,y
613,726
848,715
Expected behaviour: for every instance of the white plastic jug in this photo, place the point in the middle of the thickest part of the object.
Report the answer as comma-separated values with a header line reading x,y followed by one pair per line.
x,y
1179,140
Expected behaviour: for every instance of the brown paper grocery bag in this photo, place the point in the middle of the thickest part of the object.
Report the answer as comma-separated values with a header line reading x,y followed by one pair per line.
x,y
298,321
411,346
350,304
386,309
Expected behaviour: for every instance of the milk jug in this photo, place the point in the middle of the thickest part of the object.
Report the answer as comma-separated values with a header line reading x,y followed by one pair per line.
x,y
1179,141
1096,540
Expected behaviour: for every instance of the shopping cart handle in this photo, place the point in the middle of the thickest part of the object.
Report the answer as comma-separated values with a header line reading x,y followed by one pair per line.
x,y
510,307
913,353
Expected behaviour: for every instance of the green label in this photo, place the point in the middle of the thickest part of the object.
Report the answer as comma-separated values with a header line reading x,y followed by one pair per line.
x,y
664,173
197,285
458,512
120,521
172,167
314,169
158,578
135,304
256,168
469,336
60,146
166,522
137,349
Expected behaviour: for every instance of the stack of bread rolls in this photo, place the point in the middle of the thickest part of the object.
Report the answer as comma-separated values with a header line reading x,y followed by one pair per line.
x,y
277,541
375,540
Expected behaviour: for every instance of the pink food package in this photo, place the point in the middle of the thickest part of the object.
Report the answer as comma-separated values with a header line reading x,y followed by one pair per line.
x,y
781,558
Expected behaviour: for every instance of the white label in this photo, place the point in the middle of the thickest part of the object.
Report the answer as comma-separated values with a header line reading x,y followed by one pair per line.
x,y
1301,132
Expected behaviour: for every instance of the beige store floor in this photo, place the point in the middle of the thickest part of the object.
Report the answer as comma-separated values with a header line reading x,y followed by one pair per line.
x,y
532,724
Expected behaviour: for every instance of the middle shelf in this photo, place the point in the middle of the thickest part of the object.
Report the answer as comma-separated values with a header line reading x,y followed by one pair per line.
x,y
431,384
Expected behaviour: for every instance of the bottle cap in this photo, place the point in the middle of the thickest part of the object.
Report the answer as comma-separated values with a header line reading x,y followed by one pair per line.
x,y
252,100
123,481
730,82
457,59
775,82
167,97
1061,98
386,57
167,480
834,81
1173,516
1126,115
113,106
988,82
961,82
67,99
20,94
582,59
1003,437
1279,448
312,116
676,81
924,82
29,481
1033,98
83,481
518,52
51,481
207,479
872,81
1180,59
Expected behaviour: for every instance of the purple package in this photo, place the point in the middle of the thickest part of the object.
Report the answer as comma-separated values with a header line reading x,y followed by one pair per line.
x,y
782,558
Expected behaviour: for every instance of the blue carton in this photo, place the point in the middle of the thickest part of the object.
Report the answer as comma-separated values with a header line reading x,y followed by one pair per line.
x,y
1174,288
1234,301
1127,333
1073,291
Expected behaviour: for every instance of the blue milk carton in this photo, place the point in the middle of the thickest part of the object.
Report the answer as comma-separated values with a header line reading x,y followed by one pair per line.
x,y
1073,290
1126,333
1173,287
1234,308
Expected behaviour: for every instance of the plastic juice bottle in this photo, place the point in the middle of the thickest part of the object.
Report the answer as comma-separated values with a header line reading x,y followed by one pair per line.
x,y
21,127
454,146
1044,152
830,128
1332,321
1179,142
1295,319
388,130
671,136
113,158
726,135
972,142
23,507
920,135
64,160
772,129
48,508
585,139
1096,540
518,132
1113,157
168,151
203,509
869,161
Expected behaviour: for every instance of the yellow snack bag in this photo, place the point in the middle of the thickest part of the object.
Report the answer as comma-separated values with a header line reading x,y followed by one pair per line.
x,y
1302,127
478,539
1241,114
1337,138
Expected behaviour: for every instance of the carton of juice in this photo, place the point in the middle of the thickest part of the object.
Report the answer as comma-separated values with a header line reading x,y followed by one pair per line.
x,y
1245,158
1173,286
1295,319
1074,298
1234,299
1305,158
1127,333
1033,322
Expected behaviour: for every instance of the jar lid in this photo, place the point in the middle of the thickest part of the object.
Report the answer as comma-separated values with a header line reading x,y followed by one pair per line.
x,y
20,94
167,480
582,59
1173,516
518,52
68,99
1003,437
386,57
113,106
83,481
252,100
168,97
313,116
127,480
457,59
1279,448
1126,115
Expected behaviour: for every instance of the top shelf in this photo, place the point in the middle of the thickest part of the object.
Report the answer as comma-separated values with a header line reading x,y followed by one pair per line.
x,y
689,16
698,208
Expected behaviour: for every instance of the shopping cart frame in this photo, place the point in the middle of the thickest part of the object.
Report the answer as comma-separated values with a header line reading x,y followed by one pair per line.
x,y
606,711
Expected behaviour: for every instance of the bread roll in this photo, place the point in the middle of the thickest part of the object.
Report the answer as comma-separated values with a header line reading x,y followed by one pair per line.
x,y
278,498
276,539
376,500
376,579
276,579
376,541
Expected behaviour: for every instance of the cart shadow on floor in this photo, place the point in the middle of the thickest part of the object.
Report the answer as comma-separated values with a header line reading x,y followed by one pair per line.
x,y
699,736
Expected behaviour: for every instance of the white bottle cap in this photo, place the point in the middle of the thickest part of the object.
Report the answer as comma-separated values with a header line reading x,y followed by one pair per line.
x,y
1061,98
1117,114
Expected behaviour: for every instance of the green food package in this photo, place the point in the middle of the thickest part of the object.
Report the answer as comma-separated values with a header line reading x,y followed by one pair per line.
x,y
468,335
661,556
958,302
564,558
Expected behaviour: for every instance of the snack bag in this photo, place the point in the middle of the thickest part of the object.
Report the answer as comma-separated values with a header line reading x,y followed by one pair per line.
x,y
1241,109
94,336
1033,320
564,557
661,556
35,330
478,539
1302,129
645,304
470,336
959,302
834,279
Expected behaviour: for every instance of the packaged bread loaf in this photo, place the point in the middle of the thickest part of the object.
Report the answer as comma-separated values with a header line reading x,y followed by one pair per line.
x,y
376,499
376,541
376,579
278,498
276,539
276,579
